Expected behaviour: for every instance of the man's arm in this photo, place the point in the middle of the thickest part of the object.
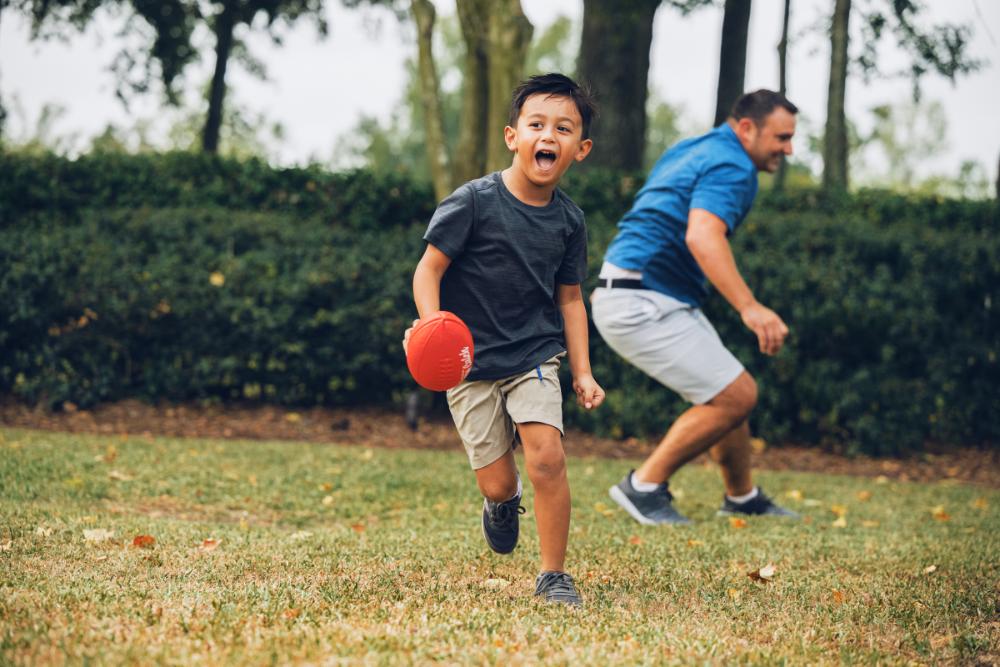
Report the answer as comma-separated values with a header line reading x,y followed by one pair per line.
x,y
427,285
570,300
706,239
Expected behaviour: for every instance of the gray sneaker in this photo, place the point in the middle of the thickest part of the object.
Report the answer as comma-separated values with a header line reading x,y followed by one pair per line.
x,y
650,508
501,524
557,587
759,505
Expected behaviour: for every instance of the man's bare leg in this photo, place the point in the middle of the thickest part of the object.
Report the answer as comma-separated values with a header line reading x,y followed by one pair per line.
x,y
733,453
699,428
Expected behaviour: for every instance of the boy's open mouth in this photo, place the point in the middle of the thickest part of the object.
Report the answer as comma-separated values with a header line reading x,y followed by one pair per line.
x,y
545,159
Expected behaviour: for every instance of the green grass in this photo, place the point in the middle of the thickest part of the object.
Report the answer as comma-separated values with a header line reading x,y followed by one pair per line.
x,y
352,555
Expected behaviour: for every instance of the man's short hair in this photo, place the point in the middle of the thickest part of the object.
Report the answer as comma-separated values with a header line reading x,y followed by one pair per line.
x,y
554,84
759,104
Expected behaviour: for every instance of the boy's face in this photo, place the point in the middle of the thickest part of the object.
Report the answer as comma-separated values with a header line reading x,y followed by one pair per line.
x,y
547,139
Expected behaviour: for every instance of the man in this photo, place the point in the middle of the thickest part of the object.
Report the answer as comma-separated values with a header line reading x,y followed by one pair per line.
x,y
653,282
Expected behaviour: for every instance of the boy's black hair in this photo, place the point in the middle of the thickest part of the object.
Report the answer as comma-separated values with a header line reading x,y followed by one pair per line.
x,y
555,84
759,104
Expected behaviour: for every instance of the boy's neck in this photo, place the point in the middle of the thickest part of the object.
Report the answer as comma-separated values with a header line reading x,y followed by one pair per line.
x,y
524,190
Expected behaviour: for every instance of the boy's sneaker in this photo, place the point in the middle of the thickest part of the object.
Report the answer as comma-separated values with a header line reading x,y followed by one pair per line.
x,y
500,523
557,587
758,505
649,508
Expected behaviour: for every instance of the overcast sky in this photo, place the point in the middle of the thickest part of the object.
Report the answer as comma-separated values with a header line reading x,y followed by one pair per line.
x,y
318,89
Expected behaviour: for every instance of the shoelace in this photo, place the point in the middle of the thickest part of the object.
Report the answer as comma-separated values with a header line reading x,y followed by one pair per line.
x,y
504,514
557,584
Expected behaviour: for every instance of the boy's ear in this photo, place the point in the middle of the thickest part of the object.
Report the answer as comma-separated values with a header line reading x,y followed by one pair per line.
x,y
584,151
510,138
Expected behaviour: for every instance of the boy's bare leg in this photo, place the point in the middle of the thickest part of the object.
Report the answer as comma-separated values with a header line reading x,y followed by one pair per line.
x,y
498,480
732,453
699,428
546,465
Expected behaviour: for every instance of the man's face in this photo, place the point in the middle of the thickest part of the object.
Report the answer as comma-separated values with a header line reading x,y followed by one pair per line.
x,y
768,144
547,139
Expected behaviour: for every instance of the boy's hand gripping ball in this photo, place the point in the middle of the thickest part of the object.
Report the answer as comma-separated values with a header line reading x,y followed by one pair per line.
x,y
439,351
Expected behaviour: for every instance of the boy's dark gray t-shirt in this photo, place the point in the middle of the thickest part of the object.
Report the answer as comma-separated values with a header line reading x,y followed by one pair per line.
x,y
507,258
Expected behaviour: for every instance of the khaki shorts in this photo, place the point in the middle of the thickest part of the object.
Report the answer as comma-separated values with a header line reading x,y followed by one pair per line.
x,y
486,411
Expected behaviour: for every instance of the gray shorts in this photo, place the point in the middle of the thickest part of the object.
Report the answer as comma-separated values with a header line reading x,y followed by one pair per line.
x,y
486,412
669,340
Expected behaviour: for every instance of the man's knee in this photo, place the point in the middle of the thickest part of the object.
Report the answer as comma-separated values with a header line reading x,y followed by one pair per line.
x,y
739,398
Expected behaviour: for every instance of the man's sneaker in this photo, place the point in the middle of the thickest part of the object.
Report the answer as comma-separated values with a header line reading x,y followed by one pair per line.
x,y
500,523
557,587
758,505
650,508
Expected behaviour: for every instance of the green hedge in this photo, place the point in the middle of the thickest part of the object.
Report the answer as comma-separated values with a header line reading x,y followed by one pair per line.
x,y
106,269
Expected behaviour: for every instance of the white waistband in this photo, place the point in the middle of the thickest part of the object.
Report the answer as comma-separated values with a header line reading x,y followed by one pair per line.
x,y
609,270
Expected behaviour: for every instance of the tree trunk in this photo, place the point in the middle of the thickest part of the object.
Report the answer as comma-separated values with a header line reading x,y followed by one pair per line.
x,y
732,57
430,96
835,137
469,160
509,39
779,177
614,62
224,24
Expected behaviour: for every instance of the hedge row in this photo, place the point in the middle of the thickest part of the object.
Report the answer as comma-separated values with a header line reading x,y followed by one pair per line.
x,y
895,328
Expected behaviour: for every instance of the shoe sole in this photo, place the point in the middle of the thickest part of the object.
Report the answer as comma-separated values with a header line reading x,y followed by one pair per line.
x,y
780,516
619,497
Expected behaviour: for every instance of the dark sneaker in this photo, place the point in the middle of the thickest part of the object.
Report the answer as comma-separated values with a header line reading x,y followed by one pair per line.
x,y
650,508
758,505
557,587
500,523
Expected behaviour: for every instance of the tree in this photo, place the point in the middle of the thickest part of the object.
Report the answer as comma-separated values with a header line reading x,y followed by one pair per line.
x,y
782,174
940,49
732,57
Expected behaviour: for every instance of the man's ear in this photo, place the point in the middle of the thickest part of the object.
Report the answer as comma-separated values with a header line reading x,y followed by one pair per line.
x,y
584,150
510,138
746,128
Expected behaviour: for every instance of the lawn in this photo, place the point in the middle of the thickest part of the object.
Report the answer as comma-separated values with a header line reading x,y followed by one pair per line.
x,y
131,549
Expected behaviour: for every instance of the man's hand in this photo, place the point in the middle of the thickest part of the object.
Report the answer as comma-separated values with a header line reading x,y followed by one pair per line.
x,y
770,329
406,334
588,393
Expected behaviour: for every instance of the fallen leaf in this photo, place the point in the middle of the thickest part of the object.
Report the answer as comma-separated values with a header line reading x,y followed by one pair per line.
x,y
839,510
291,613
737,522
119,476
841,522
210,544
734,594
110,454
6,546
300,535
368,455
939,513
695,543
217,279
326,486
293,417
496,583
864,496
980,503
327,500
358,527
869,523
881,479
758,445
811,502
838,597
97,534
252,480
930,569
764,574
603,509
952,471
588,471
43,531
794,494
634,539
143,541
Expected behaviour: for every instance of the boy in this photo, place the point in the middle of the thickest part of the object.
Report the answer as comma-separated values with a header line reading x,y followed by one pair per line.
x,y
507,253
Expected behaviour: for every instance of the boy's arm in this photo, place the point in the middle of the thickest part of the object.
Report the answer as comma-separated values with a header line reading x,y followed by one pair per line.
x,y
570,300
427,285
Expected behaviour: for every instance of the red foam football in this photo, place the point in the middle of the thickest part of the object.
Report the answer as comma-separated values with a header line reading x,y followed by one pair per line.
x,y
439,354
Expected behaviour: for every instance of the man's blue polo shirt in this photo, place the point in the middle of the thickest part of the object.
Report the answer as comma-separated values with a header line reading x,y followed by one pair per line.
x,y
711,172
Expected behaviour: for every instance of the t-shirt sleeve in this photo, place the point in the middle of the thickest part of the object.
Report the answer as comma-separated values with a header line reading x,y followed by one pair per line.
x,y
452,222
573,269
722,191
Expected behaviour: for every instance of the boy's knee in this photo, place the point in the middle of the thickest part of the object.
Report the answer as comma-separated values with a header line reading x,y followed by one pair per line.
x,y
547,464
